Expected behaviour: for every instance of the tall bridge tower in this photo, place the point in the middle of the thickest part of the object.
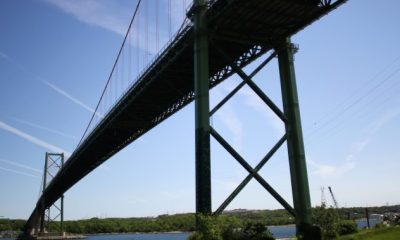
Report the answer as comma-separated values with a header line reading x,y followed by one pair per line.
x,y
52,217
284,50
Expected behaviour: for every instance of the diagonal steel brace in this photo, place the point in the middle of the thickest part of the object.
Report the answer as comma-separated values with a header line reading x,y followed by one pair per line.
x,y
253,172
250,83
241,84
250,176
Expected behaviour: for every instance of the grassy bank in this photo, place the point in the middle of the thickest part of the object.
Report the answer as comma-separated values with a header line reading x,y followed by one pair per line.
x,y
392,233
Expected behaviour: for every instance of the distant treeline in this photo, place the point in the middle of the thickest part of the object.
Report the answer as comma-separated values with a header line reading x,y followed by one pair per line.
x,y
357,212
11,225
185,222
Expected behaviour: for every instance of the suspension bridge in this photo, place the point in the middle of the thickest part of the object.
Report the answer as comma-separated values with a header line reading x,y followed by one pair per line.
x,y
216,39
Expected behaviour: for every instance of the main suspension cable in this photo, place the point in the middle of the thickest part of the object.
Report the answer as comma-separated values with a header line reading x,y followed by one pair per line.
x,y
112,71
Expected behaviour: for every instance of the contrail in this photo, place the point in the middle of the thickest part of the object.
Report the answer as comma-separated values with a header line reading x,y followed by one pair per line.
x,y
12,61
33,139
47,83
67,95
43,128
18,172
20,165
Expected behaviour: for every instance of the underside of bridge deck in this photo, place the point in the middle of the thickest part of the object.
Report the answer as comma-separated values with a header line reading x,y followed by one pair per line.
x,y
238,32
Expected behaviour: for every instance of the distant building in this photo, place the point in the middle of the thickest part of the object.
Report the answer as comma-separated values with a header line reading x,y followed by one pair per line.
x,y
377,217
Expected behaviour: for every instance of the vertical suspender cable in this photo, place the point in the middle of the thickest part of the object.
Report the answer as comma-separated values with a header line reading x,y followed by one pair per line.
x,y
122,74
111,73
114,83
183,10
169,19
129,60
146,20
138,41
157,31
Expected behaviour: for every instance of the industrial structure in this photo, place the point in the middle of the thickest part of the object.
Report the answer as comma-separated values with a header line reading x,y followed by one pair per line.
x,y
333,198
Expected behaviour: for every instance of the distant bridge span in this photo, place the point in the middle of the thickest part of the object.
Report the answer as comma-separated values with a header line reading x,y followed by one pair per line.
x,y
243,29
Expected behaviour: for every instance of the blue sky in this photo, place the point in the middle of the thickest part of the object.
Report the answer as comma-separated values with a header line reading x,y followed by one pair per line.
x,y
55,57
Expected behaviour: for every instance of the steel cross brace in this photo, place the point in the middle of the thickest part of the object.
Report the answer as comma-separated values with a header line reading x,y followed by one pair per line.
x,y
238,87
54,162
52,219
250,82
250,176
253,172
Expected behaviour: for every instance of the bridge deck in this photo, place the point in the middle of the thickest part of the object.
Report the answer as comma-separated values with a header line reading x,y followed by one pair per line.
x,y
245,29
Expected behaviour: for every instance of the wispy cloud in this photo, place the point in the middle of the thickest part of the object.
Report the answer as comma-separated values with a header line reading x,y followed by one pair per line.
x,y
386,118
33,139
330,170
325,170
44,128
375,127
47,83
115,17
229,118
102,14
20,165
253,101
16,64
3,55
19,172
359,147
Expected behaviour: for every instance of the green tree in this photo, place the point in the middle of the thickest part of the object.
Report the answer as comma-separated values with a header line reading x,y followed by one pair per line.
x,y
208,229
347,227
228,228
328,220
256,231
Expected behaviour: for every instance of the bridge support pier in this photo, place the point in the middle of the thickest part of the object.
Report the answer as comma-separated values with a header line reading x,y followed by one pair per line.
x,y
202,122
290,116
295,145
